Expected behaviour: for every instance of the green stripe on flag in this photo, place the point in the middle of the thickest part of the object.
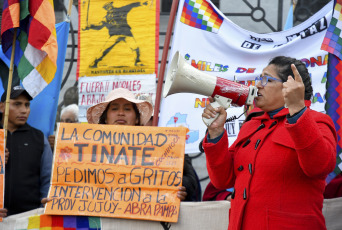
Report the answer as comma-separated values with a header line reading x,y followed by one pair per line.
x,y
24,68
24,9
23,40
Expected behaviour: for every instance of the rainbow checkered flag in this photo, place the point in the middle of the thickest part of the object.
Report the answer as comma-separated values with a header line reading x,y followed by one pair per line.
x,y
36,43
47,222
202,15
333,44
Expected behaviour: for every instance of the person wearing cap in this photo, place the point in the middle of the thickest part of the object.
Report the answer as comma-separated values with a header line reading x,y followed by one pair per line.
x,y
122,108
28,169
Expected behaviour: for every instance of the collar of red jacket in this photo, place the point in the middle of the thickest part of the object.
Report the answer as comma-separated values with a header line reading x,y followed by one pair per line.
x,y
281,113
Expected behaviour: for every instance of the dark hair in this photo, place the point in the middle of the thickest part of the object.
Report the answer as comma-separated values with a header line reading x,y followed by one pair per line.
x,y
283,65
103,116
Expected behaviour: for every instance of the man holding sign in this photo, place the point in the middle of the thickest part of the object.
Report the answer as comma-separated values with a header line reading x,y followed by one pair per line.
x,y
28,170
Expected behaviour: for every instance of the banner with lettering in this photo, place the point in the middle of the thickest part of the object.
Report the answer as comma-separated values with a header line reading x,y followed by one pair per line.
x,y
213,44
93,90
128,172
118,37
2,169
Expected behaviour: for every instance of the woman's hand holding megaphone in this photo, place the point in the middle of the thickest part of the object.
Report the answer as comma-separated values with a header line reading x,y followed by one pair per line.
x,y
217,126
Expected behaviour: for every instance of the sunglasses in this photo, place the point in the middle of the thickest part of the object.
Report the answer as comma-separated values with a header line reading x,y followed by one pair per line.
x,y
264,80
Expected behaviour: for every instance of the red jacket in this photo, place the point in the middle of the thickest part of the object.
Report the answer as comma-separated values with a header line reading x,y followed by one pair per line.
x,y
277,169
211,193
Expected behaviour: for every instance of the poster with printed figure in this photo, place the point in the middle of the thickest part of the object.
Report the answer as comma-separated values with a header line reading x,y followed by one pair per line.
x,y
118,37
128,172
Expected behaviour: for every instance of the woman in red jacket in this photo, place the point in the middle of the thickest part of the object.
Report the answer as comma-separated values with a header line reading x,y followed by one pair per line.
x,y
279,162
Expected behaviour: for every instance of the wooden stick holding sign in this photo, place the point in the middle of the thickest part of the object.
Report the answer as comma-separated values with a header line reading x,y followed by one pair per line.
x,y
128,172
4,131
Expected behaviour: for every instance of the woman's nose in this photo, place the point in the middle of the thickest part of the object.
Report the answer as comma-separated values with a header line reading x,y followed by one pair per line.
x,y
258,84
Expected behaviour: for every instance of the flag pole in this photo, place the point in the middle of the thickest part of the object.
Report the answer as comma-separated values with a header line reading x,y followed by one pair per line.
x,y
69,8
163,61
9,84
294,3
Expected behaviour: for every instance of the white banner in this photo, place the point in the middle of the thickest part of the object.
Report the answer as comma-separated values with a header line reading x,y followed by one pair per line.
x,y
212,43
93,90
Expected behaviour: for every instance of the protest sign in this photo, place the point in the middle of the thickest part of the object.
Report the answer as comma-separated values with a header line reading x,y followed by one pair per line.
x,y
117,171
93,90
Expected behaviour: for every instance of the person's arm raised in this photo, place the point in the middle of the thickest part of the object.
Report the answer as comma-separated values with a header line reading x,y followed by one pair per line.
x,y
293,92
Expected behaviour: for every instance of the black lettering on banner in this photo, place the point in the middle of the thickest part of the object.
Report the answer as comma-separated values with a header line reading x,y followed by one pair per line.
x,y
318,26
250,45
261,39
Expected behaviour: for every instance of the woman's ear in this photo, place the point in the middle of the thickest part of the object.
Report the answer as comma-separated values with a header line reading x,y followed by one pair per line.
x,y
137,121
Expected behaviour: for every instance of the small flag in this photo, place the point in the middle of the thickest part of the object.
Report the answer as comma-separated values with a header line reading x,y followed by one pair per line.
x,y
44,106
333,40
333,44
36,43
200,14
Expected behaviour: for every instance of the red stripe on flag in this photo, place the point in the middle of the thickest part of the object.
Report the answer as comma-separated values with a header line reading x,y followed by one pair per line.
x,y
10,2
39,34
6,22
34,6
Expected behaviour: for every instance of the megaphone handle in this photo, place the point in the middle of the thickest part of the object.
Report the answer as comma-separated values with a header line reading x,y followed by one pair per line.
x,y
219,101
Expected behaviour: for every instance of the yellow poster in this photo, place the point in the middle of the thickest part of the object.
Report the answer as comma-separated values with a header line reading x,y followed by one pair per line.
x,y
118,37
117,171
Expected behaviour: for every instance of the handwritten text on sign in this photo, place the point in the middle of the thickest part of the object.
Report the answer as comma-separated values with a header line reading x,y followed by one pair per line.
x,y
117,171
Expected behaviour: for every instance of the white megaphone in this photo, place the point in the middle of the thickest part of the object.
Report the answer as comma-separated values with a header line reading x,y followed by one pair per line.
x,y
183,78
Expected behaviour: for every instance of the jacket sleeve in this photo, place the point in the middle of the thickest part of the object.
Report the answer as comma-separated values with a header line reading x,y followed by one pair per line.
x,y
220,162
211,193
314,137
45,169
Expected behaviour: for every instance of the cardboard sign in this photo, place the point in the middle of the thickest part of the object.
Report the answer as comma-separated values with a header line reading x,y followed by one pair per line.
x,y
117,171
2,169
93,90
